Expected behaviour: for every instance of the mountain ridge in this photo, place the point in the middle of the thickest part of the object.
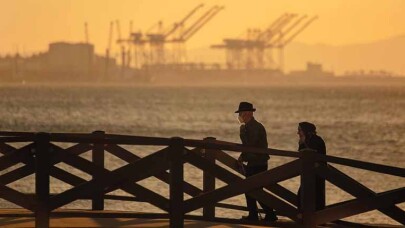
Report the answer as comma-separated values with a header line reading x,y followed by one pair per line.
x,y
386,54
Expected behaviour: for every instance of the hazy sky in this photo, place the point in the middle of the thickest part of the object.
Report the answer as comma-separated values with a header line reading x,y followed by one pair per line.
x,y
31,24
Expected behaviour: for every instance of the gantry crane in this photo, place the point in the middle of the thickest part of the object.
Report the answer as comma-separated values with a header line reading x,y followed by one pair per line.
x,y
284,39
158,39
122,43
108,50
242,53
275,29
255,51
179,25
86,33
187,33
198,24
256,55
149,48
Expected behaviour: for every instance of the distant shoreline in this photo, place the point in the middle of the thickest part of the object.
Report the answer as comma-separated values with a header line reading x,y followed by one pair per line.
x,y
222,82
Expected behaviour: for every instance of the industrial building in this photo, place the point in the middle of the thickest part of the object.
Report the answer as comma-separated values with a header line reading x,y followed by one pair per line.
x,y
62,61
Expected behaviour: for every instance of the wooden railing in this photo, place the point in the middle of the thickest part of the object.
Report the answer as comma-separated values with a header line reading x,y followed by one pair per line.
x,y
41,154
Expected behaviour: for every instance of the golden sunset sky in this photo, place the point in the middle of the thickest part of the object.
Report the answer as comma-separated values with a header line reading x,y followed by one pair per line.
x,y
31,24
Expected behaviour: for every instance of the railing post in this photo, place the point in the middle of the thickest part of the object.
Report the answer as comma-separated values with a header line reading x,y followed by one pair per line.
x,y
208,180
42,170
308,195
176,209
98,160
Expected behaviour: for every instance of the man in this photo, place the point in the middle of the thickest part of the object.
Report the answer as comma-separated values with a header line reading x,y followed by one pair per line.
x,y
253,134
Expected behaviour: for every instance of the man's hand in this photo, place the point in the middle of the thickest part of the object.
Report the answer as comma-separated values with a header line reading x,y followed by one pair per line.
x,y
241,166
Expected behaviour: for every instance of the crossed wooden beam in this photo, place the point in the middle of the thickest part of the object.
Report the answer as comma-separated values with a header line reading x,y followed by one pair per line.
x,y
157,164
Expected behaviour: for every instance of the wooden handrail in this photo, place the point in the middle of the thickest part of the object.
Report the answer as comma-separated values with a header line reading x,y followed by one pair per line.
x,y
385,169
16,133
42,154
9,137
12,139
235,147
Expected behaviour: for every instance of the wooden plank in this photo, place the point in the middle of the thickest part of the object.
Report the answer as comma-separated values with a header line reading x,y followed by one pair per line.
x,y
108,197
42,167
97,202
124,198
16,197
209,180
146,195
243,208
131,188
122,153
28,169
109,139
358,206
85,218
385,169
88,167
236,147
11,139
227,160
237,185
6,149
163,176
277,189
234,207
17,174
66,177
136,171
77,150
138,140
308,191
19,155
17,133
358,190
283,193
176,153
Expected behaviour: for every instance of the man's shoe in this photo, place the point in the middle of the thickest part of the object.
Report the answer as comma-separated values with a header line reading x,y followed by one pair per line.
x,y
250,218
270,217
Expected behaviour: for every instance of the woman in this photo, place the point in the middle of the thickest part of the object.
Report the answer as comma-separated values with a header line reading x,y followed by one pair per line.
x,y
308,139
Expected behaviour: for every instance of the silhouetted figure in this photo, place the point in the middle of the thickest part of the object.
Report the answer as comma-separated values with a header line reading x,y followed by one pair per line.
x,y
253,134
308,139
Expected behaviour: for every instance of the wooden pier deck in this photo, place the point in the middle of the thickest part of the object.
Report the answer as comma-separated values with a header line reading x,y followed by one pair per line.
x,y
89,218
39,153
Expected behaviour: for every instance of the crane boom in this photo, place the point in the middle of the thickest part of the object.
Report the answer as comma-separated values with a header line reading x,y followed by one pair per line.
x,y
86,32
276,29
110,35
271,27
205,21
310,21
181,22
276,22
117,25
289,29
196,23
130,28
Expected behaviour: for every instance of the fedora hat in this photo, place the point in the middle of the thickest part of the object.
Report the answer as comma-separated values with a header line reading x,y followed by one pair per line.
x,y
245,107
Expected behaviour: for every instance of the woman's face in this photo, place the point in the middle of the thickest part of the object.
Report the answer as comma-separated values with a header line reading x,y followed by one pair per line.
x,y
301,134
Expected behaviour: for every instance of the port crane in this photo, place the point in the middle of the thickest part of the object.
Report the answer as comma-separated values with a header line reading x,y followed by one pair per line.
x,y
284,39
255,51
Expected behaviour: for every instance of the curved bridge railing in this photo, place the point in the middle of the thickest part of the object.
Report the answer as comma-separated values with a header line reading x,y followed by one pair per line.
x,y
40,154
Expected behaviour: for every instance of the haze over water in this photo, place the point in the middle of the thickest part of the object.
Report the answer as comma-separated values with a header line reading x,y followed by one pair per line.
x,y
365,123
360,117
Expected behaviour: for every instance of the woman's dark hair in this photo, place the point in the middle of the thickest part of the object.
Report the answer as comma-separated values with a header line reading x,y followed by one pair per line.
x,y
308,128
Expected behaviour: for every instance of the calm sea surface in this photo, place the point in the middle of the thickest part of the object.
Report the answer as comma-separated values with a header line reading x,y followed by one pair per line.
x,y
366,123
